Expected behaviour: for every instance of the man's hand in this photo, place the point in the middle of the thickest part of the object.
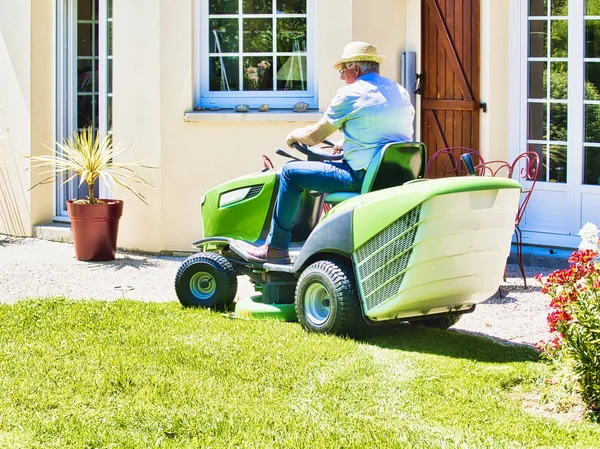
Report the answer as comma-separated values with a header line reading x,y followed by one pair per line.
x,y
338,147
291,139
311,134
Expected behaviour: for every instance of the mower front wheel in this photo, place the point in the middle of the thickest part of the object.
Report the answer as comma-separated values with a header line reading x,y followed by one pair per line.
x,y
206,280
326,299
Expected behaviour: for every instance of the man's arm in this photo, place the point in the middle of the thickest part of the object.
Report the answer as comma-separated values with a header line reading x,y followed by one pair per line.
x,y
312,134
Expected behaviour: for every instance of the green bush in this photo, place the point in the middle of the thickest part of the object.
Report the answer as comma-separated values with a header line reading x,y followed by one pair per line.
x,y
575,318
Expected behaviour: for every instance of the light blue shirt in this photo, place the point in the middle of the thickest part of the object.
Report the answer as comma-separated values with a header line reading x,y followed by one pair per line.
x,y
371,112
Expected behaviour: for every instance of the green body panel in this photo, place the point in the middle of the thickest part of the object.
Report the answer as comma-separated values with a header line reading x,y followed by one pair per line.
x,y
243,219
375,211
253,308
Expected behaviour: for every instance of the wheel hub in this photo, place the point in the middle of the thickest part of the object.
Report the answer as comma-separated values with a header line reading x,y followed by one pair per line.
x,y
203,285
316,303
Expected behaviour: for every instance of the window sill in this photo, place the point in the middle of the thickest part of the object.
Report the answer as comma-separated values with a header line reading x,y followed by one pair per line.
x,y
228,115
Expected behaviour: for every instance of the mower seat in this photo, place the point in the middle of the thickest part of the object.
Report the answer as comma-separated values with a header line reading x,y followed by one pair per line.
x,y
394,165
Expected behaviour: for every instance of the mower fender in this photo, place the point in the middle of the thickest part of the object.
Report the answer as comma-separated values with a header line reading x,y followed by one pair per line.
x,y
333,235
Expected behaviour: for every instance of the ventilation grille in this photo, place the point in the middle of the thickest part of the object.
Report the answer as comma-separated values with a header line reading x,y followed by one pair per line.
x,y
381,262
254,191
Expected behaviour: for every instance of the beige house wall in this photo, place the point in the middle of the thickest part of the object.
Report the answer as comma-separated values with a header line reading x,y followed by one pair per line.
x,y
26,112
153,86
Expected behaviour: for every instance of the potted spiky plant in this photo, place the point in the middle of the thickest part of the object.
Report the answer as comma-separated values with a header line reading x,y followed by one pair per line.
x,y
94,221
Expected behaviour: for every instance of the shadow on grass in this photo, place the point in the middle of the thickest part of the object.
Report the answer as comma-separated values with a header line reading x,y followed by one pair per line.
x,y
449,343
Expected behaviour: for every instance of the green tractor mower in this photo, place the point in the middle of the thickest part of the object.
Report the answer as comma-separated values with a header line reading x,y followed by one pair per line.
x,y
403,249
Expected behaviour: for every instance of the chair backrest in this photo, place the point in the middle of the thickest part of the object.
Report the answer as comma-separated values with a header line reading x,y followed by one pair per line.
x,y
394,165
447,163
524,167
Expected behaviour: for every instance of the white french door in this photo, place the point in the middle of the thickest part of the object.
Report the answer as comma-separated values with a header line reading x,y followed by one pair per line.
x,y
560,88
84,78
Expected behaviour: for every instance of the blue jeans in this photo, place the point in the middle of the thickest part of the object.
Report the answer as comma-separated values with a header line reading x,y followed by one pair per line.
x,y
297,176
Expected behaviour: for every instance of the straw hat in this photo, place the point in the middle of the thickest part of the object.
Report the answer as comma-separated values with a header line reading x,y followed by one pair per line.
x,y
358,51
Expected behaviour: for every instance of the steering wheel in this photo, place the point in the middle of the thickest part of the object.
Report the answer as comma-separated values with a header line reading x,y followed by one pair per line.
x,y
313,154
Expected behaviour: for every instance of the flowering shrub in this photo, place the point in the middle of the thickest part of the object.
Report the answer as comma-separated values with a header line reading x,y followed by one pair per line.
x,y
575,317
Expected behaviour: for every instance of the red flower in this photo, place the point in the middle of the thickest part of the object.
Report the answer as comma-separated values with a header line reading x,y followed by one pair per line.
x,y
558,317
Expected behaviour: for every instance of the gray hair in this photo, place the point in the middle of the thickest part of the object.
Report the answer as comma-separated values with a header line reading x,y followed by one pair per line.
x,y
365,66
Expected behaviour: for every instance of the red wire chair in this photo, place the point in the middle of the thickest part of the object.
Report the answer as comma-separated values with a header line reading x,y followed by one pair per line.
x,y
446,163
524,167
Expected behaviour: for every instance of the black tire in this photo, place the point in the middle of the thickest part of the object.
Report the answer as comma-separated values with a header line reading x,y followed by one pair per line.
x,y
326,299
441,321
206,280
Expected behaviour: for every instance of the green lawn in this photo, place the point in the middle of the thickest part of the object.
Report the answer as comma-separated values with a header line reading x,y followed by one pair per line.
x,y
127,374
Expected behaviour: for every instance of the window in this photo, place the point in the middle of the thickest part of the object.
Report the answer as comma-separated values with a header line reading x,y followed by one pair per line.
x,y
255,52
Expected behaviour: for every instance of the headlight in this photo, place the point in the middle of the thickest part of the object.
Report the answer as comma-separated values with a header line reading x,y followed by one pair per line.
x,y
233,197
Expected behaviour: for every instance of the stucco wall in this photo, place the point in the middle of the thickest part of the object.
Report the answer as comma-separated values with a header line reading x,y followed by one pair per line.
x,y
26,113
495,69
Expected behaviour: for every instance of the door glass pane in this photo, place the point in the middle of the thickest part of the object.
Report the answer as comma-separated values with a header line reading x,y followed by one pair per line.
x,y
538,79
85,111
559,8
558,122
592,80
109,44
86,81
257,6
538,7
592,38
592,123
539,149
538,38
560,37
223,6
557,161
291,6
258,35
85,44
258,73
538,121
592,7
110,115
84,10
591,165
559,80
109,71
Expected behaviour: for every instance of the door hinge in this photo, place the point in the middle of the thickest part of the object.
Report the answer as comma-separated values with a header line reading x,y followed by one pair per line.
x,y
483,106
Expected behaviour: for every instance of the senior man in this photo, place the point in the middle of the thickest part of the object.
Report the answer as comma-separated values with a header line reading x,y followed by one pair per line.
x,y
371,111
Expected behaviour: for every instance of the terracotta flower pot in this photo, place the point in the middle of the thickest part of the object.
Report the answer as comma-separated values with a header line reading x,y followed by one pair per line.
x,y
95,228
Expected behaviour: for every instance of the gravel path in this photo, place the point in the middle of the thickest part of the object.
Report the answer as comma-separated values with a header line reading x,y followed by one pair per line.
x,y
39,268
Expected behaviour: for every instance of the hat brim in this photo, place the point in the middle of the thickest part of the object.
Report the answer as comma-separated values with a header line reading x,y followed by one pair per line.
x,y
359,58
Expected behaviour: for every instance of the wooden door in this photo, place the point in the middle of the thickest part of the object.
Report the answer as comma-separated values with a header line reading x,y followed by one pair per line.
x,y
450,75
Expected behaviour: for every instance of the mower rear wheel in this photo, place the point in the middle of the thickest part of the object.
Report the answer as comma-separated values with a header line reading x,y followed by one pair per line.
x,y
206,280
440,322
326,299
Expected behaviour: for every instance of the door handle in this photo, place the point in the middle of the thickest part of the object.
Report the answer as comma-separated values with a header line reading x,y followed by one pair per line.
x,y
418,84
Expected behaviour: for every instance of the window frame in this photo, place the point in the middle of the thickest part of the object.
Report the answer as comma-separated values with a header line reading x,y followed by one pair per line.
x,y
205,99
